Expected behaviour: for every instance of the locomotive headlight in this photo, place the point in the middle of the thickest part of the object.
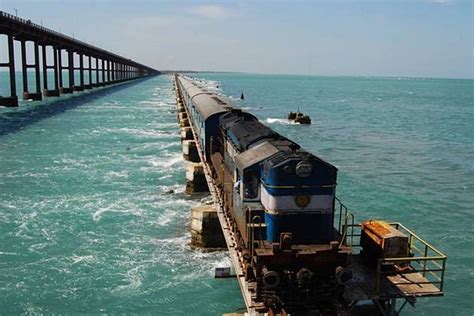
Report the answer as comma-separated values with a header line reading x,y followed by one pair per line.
x,y
304,169
302,200
271,279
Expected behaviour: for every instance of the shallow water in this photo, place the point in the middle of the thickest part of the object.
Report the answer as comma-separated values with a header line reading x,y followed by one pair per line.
x,y
86,226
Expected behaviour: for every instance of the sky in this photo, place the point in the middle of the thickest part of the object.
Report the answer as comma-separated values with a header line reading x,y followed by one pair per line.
x,y
414,38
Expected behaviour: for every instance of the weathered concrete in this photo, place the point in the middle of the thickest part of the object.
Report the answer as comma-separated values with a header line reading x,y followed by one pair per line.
x,y
190,151
184,123
186,134
182,115
195,178
206,230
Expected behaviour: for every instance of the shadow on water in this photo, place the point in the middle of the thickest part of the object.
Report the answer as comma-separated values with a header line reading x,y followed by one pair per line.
x,y
16,119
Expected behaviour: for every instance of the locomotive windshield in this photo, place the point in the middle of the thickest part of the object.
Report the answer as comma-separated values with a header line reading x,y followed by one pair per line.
x,y
250,185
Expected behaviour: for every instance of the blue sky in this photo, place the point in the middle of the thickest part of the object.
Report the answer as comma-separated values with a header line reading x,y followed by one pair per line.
x,y
421,38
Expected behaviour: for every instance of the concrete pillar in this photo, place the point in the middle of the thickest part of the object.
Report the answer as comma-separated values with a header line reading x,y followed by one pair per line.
x,y
46,91
37,72
190,152
45,69
103,72
206,230
97,83
80,87
195,178
70,67
12,100
108,71
182,115
184,123
36,96
89,69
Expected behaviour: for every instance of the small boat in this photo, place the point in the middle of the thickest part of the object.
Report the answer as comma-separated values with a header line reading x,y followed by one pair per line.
x,y
299,117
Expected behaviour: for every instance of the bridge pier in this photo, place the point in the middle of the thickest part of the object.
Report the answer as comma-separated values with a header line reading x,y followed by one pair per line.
x,y
81,74
88,86
46,92
62,88
195,178
12,100
186,134
35,96
205,228
190,151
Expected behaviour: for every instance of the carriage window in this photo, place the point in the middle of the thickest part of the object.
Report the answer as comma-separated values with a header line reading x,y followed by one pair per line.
x,y
250,185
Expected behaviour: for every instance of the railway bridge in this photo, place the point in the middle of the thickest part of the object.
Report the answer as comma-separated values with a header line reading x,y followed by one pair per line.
x,y
74,65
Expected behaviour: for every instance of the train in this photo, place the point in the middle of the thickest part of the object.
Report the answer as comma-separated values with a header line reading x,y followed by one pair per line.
x,y
280,198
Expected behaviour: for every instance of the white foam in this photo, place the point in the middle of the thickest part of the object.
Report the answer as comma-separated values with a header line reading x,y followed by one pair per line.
x,y
115,174
76,259
280,121
167,163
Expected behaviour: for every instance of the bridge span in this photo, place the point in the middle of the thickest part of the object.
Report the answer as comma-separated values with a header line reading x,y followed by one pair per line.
x,y
103,67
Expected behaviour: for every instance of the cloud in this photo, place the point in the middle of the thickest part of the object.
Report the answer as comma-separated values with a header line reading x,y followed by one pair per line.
x,y
211,11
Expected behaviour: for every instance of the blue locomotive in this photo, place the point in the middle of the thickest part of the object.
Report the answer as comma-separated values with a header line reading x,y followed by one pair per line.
x,y
280,198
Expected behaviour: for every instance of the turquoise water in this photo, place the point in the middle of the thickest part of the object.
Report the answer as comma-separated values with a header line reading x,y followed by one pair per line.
x,y
86,226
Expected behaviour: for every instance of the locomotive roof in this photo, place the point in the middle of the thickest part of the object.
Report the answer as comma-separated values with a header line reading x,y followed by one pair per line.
x,y
255,155
246,133
208,104
205,102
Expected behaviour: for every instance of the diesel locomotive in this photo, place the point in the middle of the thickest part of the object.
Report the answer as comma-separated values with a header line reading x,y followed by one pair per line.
x,y
280,198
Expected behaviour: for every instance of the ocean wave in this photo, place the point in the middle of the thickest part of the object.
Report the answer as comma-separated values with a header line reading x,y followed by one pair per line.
x,y
270,120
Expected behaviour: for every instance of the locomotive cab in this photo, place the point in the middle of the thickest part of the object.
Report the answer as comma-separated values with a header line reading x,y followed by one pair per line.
x,y
298,193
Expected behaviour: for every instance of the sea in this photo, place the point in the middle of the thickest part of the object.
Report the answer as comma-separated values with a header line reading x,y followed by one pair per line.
x,y
88,224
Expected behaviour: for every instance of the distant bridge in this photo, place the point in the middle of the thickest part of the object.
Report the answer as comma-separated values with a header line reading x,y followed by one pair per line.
x,y
103,67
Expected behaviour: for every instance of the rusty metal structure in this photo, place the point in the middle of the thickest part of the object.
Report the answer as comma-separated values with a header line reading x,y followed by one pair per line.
x,y
103,67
